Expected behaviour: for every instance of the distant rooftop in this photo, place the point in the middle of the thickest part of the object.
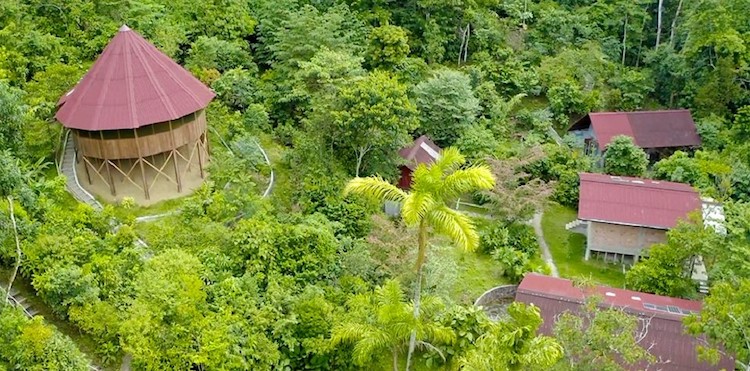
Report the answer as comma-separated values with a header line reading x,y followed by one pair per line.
x,y
421,151
649,129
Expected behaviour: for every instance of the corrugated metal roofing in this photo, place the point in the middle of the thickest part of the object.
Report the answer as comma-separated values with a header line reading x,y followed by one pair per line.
x,y
131,84
635,201
649,129
666,336
422,151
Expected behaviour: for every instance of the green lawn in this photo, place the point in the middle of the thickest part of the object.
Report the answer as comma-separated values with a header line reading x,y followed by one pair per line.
x,y
568,250
476,274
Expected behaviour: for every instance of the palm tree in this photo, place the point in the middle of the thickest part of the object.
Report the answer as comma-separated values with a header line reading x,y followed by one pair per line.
x,y
426,207
391,327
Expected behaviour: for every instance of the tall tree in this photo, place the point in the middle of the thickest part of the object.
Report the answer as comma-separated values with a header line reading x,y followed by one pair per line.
x,y
426,207
447,106
373,116
602,338
390,328
623,157
725,320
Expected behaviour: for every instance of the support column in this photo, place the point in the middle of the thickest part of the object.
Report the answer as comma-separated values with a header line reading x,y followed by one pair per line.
x,y
173,153
201,140
588,240
106,161
140,162
88,175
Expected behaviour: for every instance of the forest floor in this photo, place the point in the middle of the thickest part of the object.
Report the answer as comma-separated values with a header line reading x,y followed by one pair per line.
x,y
568,249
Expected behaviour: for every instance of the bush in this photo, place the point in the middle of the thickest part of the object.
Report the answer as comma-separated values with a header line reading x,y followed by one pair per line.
x,y
33,345
623,157
566,189
513,246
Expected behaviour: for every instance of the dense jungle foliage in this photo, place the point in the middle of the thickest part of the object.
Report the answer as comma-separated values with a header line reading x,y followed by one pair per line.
x,y
313,277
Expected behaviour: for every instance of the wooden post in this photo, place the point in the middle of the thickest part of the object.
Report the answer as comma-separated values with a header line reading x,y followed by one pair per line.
x,y
86,166
174,159
200,157
140,162
106,161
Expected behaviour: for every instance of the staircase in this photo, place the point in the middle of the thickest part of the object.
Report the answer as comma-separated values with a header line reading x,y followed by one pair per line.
x,y
19,301
68,168
576,226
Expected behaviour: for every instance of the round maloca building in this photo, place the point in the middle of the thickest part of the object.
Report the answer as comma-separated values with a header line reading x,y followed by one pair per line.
x,y
138,123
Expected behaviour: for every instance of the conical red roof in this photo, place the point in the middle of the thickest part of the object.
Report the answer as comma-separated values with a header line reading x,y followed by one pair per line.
x,y
131,84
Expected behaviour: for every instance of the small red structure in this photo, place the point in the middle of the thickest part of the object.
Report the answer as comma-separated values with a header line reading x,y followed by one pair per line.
x,y
654,131
422,151
621,216
675,350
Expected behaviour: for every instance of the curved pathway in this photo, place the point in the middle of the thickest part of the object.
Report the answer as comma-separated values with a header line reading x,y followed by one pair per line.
x,y
536,222
67,167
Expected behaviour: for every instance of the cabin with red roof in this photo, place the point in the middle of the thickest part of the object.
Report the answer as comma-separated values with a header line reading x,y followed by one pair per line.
x,y
621,216
422,151
659,133
662,317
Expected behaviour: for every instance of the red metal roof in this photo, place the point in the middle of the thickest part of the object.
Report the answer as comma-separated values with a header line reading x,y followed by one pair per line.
x,y
649,129
131,84
635,201
422,151
666,335
562,289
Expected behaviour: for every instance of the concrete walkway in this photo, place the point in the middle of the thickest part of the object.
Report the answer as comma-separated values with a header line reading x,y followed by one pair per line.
x,y
68,168
536,222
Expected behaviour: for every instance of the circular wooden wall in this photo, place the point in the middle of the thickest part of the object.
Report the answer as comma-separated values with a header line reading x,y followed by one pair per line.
x,y
142,142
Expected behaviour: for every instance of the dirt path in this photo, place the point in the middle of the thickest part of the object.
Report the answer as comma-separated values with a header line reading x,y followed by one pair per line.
x,y
536,222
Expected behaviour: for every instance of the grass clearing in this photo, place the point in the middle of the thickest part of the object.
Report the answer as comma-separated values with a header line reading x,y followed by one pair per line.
x,y
476,274
568,250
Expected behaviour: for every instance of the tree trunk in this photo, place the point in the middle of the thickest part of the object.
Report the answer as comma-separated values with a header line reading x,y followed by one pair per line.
x,y
18,248
421,256
394,352
640,43
674,23
658,22
624,38
361,152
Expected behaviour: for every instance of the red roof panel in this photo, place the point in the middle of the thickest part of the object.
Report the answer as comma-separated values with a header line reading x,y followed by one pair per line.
x,y
665,337
562,289
131,84
649,129
422,151
608,125
635,201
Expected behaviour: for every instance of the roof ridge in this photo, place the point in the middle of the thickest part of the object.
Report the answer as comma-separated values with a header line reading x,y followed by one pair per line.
x,y
163,98
129,84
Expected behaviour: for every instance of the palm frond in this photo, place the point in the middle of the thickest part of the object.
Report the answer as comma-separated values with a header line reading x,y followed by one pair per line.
x,y
456,226
450,159
374,187
416,206
473,178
